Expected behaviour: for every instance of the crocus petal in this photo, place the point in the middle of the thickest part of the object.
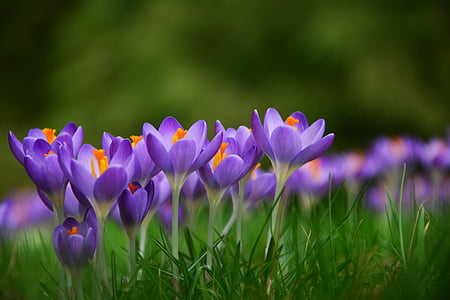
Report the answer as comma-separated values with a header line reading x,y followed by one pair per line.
x,y
159,154
197,132
228,171
207,176
219,127
91,241
82,179
110,184
36,133
260,137
128,209
313,151
313,133
53,174
272,120
286,143
76,247
35,173
77,140
69,128
303,122
122,152
168,128
182,154
207,153
16,147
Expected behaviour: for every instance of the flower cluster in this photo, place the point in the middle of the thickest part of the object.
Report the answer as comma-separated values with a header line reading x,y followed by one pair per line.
x,y
131,179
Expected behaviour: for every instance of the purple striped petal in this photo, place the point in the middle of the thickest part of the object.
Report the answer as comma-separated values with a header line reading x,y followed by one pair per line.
x,y
286,143
182,154
272,120
110,184
207,153
16,147
229,171
313,133
260,136
313,151
159,154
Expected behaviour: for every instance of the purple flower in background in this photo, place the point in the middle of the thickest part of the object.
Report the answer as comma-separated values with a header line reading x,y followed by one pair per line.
x,y
261,185
134,204
22,209
164,214
290,143
75,242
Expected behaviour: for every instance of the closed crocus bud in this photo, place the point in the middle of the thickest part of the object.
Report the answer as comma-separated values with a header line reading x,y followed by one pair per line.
x,y
134,204
75,242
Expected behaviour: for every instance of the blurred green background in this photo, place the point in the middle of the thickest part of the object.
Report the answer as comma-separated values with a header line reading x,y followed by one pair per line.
x,y
368,68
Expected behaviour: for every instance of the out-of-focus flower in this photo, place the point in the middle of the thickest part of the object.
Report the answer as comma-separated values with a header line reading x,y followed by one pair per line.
x,y
75,242
22,209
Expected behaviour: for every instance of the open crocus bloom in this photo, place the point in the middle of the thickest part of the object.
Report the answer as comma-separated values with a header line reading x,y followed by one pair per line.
x,y
38,153
179,152
99,177
290,143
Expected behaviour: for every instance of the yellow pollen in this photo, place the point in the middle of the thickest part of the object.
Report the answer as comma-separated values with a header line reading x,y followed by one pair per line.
x,y
102,161
254,170
135,139
178,135
49,152
49,134
251,130
133,187
219,156
291,121
74,230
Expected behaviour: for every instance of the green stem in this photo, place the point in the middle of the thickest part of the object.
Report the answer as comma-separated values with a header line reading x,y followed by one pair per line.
x,y
176,189
212,215
132,253
273,229
232,217
100,255
77,283
400,221
240,210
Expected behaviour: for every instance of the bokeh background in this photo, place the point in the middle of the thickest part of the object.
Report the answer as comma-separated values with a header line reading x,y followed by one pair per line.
x,y
368,68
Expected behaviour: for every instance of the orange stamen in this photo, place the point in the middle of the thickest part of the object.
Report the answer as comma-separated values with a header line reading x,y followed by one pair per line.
x,y
49,134
102,162
49,152
178,135
74,230
133,187
254,170
219,156
135,139
291,121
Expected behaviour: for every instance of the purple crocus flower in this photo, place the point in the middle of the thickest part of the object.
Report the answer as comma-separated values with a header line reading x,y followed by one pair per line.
x,y
101,178
225,169
179,152
289,144
38,153
134,204
75,242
